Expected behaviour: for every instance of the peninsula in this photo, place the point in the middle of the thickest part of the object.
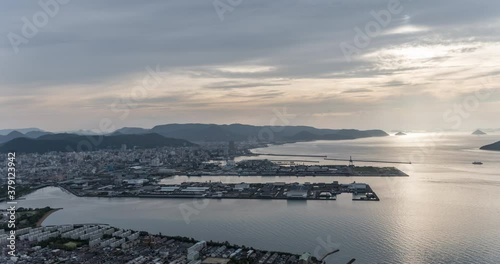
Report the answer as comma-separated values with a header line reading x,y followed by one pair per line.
x,y
495,146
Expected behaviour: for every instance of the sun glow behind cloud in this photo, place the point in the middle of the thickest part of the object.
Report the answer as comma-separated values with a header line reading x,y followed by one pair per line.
x,y
245,69
406,29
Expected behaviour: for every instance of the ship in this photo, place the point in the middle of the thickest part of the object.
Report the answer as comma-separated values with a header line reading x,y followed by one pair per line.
x,y
477,163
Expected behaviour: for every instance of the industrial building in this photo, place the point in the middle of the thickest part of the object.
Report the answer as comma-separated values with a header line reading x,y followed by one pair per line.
x,y
297,192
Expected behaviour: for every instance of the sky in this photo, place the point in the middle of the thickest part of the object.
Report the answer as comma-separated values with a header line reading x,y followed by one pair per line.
x,y
385,64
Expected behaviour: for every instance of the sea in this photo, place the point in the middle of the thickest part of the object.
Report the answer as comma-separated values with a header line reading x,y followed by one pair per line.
x,y
446,211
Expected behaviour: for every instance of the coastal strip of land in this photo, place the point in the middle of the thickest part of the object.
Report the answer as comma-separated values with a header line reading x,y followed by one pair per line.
x,y
89,243
29,217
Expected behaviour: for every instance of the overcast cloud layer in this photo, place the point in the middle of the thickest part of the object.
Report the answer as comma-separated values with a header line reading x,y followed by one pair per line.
x,y
242,61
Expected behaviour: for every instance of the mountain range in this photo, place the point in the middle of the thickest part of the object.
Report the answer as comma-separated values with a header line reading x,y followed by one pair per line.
x,y
239,132
4,132
175,135
16,134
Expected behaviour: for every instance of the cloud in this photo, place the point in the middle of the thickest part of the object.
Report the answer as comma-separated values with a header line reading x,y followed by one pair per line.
x,y
264,54
395,83
228,85
19,101
261,95
359,90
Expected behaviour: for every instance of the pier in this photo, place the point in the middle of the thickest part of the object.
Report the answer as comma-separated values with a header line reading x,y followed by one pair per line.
x,y
325,157
371,161
328,254
294,161
291,155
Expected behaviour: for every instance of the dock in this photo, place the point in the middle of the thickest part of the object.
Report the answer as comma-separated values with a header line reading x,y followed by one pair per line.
x,y
291,155
219,190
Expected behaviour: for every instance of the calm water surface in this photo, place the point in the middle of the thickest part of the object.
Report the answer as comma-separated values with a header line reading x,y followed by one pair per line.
x,y
447,211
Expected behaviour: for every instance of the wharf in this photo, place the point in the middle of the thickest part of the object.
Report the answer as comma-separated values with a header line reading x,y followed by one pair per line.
x,y
218,190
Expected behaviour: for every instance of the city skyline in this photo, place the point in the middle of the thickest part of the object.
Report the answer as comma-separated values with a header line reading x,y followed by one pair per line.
x,y
387,65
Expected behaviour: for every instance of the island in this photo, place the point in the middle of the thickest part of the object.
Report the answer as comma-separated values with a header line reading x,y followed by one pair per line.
x,y
494,147
478,133
400,134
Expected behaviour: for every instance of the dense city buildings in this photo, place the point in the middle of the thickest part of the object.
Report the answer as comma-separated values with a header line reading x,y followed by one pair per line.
x,y
91,244
150,165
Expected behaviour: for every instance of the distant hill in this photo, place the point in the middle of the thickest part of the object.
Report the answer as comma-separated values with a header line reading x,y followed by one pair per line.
x,y
12,135
36,134
82,132
400,134
4,132
239,132
308,136
132,130
495,146
69,142
61,136
16,134
478,132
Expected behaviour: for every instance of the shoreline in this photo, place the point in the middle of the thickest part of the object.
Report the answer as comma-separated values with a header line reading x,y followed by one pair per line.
x,y
40,221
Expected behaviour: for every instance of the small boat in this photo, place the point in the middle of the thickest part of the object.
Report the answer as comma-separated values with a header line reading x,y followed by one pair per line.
x,y
477,163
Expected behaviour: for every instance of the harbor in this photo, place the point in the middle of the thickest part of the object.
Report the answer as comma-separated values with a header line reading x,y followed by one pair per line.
x,y
219,190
